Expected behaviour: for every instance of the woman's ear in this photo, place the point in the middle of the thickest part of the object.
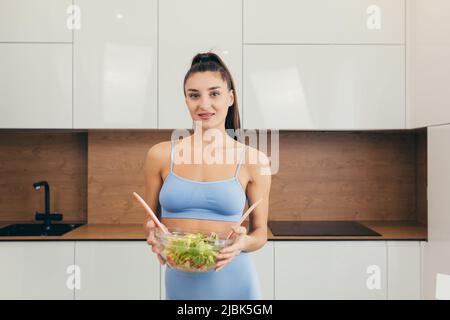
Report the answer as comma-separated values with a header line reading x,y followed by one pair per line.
x,y
231,100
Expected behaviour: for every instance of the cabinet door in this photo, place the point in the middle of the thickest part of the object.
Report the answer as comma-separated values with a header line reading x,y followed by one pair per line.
x,y
324,21
36,270
428,51
35,85
330,270
35,21
263,260
437,249
185,29
324,87
115,64
117,270
404,270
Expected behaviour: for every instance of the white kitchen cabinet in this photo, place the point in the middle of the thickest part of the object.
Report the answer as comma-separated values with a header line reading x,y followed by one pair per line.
x,y
162,285
436,260
35,21
324,21
35,85
264,262
115,64
185,29
404,270
318,87
117,270
330,270
428,67
36,270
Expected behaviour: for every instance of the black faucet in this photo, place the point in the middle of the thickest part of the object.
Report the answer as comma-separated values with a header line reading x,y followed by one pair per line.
x,y
46,216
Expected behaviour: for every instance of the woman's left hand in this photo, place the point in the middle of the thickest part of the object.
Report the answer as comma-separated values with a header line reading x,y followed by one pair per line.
x,y
227,254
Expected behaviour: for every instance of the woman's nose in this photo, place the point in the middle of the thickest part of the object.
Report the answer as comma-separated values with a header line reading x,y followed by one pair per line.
x,y
204,103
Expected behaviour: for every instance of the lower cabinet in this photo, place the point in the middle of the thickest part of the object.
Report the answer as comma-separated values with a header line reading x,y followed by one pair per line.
x,y
36,270
404,270
116,270
347,270
286,270
330,270
263,260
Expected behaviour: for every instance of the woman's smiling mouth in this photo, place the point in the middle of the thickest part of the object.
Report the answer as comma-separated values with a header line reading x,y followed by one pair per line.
x,y
206,115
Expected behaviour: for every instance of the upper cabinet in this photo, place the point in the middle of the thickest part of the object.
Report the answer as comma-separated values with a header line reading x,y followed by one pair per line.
x,y
321,87
185,29
428,67
115,64
35,21
35,64
35,85
324,21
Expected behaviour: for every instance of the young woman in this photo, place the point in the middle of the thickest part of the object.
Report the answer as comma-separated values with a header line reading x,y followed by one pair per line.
x,y
210,197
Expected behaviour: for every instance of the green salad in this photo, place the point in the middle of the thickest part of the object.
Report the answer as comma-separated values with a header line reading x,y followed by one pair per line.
x,y
194,252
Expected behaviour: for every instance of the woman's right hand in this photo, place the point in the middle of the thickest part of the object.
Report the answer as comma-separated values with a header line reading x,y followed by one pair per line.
x,y
150,228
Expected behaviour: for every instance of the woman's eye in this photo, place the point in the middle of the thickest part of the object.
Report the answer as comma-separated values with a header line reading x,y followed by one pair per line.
x,y
193,96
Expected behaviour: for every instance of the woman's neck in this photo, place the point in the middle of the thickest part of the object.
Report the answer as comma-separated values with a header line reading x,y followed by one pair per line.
x,y
218,137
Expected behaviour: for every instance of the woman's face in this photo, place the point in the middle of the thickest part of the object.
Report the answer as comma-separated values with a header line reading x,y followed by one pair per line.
x,y
208,99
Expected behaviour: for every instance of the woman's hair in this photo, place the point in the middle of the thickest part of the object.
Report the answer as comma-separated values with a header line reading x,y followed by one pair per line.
x,y
209,61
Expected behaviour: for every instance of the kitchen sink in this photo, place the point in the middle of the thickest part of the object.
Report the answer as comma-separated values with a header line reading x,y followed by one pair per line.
x,y
37,229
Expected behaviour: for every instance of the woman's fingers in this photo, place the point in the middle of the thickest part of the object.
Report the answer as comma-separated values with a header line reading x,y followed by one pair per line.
x,y
155,249
151,237
235,246
161,260
222,263
150,226
239,229
222,256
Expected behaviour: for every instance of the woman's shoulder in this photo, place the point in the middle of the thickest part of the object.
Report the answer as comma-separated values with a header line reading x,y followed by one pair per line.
x,y
258,167
159,152
254,156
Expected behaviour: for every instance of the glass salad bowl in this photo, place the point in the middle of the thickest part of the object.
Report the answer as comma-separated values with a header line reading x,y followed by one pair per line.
x,y
190,250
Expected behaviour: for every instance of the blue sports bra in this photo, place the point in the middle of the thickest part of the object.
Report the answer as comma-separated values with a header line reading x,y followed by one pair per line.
x,y
209,200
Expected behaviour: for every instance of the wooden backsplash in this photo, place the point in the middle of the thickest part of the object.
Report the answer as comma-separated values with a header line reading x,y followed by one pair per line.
x,y
115,170
30,156
345,176
379,175
421,176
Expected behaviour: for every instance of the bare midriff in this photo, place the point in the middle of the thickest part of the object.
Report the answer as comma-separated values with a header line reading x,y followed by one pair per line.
x,y
222,228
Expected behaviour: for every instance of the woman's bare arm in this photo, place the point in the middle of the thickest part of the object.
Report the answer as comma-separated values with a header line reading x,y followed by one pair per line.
x,y
152,175
258,187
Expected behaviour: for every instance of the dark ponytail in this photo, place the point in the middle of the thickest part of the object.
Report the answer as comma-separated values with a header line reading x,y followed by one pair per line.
x,y
210,61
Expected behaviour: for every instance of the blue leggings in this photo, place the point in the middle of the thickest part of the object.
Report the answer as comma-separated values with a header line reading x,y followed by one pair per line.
x,y
236,281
